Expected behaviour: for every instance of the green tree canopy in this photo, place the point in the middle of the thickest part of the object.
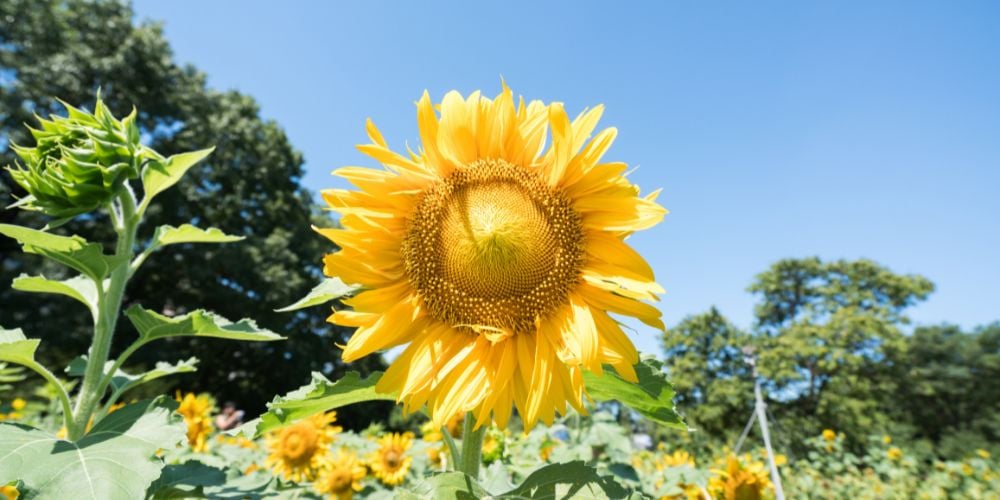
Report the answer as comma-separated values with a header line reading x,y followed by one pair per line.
x,y
705,364
824,334
949,388
249,186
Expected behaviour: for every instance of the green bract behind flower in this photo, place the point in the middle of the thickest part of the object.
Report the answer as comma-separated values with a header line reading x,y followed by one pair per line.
x,y
79,161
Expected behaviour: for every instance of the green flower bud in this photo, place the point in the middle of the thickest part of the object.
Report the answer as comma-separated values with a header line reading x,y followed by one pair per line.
x,y
79,161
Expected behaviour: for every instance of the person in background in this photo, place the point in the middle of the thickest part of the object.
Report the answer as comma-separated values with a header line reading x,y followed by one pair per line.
x,y
229,418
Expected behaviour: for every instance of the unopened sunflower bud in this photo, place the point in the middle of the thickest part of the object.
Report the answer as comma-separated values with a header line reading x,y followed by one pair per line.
x,y
79,161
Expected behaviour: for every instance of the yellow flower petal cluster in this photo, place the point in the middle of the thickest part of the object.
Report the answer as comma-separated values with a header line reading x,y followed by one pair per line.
x,y
9,492
340,476
390,463
894,453
739,481
197,413
296,452
829,435
494,258
679,458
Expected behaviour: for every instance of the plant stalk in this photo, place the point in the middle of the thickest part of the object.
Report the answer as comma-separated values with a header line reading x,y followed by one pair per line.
x,y
472,446
108,310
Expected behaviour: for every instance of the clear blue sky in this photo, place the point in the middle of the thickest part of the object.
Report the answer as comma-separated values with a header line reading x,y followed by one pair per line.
x,y
776,129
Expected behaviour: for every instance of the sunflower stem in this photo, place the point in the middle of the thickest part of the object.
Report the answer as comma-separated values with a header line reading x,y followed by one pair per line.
x,y
108,309
472,446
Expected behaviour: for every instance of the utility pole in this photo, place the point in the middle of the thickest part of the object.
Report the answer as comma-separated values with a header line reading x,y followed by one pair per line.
x,y
760,413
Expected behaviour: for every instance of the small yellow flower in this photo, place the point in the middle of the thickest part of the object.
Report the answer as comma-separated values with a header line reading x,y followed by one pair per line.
x,y
985,455
251,469
546,451
438,456
390,463
678,458
9,492
737,482
829,435
780,459
894,453
18,404
197,413
887,439
340,476
296,452
967,469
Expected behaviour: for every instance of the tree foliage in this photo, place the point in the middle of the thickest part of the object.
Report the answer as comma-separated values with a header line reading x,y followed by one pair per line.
x,y
248,187
834,353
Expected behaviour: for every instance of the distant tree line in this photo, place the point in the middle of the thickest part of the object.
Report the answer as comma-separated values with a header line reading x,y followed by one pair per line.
x,y
834,353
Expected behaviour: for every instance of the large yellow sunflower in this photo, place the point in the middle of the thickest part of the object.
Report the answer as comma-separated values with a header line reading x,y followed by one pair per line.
x,y
496,259
390,463
340,476
296,451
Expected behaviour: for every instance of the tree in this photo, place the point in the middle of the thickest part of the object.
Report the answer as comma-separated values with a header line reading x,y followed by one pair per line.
x,y
825,329
248,186
949,388
705,364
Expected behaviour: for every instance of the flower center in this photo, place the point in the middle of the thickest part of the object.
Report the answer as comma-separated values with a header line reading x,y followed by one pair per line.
x,y
299,443
392,459
341,480
494,247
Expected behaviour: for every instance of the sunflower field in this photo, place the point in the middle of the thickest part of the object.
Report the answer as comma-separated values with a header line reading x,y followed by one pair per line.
x,y
458,319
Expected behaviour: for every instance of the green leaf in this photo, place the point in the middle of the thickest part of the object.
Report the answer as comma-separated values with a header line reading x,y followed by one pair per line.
x,y
16,348
158,176
170,235
71,251
566,480
122,381
185,480
652,397
329,289
116,459
318,396
449,486
78,287
198,323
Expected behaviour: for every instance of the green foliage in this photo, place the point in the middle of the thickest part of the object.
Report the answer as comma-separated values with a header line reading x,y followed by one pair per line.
x,y
71,251
951,395
318,396
652,397
170,235
78,287
199,323
825,329
705,363
157,176
16,348
329,289
115,460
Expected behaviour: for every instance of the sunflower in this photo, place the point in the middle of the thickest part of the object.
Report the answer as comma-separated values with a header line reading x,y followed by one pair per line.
x,y
340,476
679,458
296,451
496,259
739,482
197,413
390,462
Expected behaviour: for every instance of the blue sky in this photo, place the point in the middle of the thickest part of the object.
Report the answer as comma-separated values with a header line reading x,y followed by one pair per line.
x,y
776,129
